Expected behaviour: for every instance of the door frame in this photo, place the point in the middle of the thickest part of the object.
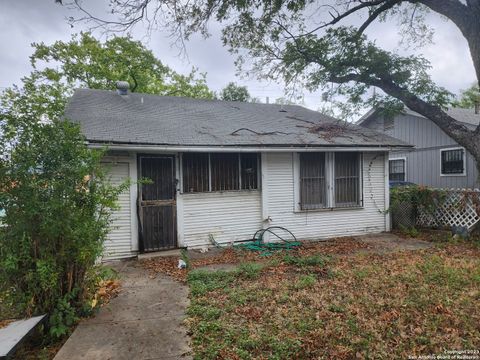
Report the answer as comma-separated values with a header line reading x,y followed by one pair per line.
x,y
139,198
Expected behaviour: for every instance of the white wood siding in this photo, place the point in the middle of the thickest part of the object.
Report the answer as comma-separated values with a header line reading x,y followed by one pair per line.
x,y
228,216
119,240
325,223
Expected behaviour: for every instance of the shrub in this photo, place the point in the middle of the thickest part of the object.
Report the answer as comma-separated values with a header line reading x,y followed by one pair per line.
x,y
419,196
57,203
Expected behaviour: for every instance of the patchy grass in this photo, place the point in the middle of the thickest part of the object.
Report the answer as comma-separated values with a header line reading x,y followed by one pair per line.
x,y
310,306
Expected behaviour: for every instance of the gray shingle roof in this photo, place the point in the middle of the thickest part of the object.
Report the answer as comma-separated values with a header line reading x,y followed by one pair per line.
x,y
464,116
105,116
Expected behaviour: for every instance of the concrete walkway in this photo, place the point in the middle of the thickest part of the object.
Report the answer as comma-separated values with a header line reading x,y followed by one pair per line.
x,y
143,322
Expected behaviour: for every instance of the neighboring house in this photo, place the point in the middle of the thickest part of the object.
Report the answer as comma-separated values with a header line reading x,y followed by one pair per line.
x,y
226,169
437,160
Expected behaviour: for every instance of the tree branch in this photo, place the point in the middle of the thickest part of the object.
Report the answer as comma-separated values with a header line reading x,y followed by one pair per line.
x,y
460,133
377,12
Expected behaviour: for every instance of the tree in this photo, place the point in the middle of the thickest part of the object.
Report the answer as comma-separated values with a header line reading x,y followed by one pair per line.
x,y
86,62
308,42
469,98
57,202
234,92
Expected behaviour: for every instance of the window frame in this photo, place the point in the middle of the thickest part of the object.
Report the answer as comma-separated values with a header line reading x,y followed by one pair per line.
x,y
404,167
464,173
359,156
319,206
209,173
330,184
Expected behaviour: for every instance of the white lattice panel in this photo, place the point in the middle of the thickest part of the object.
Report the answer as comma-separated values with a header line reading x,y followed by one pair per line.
x,y
457,210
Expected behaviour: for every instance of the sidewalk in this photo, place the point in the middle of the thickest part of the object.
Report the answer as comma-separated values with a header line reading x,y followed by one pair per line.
x,y
143,322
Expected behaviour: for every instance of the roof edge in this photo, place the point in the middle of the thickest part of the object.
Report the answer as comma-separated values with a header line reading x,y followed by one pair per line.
x,y
243,148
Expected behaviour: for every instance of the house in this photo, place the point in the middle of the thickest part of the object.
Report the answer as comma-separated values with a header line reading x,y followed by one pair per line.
x,y
437,160
223,170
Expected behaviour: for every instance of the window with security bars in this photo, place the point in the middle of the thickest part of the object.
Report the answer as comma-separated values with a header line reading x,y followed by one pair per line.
x,y
330,180
453,161
204,172
347,179
313,193
195,168
396,170
249,171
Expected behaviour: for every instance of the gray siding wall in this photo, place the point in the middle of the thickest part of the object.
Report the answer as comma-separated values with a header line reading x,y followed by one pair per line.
x,y
423,164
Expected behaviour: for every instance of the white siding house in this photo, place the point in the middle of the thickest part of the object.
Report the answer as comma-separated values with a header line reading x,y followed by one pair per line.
x,y
253,166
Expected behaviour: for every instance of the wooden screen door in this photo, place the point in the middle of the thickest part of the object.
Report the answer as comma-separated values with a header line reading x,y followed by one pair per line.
x,y
157,210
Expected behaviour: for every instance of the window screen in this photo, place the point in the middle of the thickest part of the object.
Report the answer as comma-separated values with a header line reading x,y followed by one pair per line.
x,y
453,161
397,170
312,181
347,179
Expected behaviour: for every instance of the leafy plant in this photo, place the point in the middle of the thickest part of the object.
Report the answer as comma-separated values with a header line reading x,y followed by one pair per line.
x,y
57,201
419,196
63,316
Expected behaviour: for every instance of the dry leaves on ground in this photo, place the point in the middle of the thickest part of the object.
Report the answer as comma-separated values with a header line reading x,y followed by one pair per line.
x,y
107,290
168,265
366,305
5,323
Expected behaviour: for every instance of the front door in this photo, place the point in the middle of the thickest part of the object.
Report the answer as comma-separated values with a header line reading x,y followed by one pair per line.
x,y
157,205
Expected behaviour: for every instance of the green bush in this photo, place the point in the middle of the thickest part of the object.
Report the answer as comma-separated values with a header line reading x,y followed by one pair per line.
x,y
419,196
57,203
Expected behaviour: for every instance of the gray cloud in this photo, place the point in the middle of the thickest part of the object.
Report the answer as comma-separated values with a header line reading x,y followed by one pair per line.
x,y
25,21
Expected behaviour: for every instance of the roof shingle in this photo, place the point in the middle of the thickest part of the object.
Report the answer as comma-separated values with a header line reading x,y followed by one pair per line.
x,y
108,117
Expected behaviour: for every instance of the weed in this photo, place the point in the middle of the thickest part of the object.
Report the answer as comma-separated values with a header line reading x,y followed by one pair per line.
x,y
336,308
314,260
249,270
204,281
405,302
409,231
361,273
436,272
305,281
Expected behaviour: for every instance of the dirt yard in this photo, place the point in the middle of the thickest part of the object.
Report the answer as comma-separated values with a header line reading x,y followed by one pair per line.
x,y
344,299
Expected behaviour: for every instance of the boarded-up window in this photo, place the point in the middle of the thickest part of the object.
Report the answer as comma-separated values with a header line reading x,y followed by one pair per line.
x,y
249,171
195,172
347,179
224,171
219,172
312,181
453,161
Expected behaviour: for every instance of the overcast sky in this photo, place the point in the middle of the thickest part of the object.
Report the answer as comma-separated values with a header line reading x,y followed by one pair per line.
x,y
25,21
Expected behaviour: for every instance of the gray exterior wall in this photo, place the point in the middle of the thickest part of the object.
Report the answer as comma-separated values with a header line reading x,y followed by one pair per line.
x,y
423,163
